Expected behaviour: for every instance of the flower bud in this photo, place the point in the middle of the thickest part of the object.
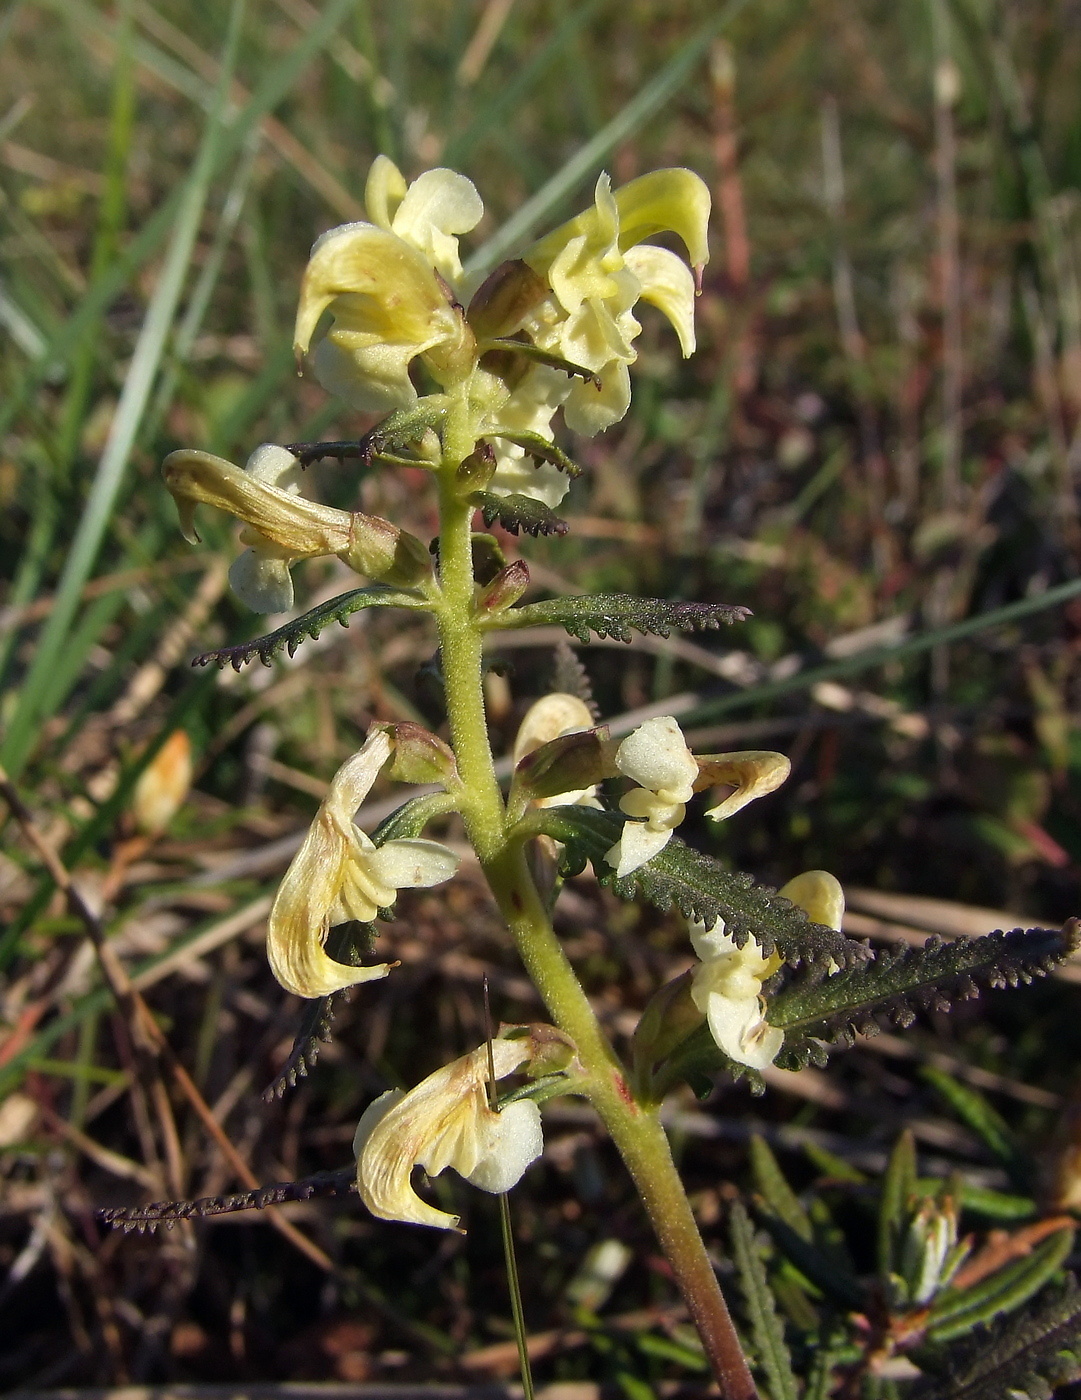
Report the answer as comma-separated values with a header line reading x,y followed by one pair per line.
x,y
505,299
382,551
929,1243
669,1018
163,785
477,470
420,756
505,589
567,765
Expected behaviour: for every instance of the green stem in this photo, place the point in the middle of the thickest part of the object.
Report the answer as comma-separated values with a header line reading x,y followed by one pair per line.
x,y
636,1130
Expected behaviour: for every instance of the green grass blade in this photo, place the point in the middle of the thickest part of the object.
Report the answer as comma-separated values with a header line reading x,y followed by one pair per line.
x,y
134,397
645,104
489,120
878,656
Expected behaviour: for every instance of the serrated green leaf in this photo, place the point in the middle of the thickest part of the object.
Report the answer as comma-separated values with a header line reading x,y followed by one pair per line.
x,y
766,1326
772,1185
399,430
958,1311
617,615
898,1185
541,450
976,1113
534,353
700,887
1030,1353
311,623
895,985
516,513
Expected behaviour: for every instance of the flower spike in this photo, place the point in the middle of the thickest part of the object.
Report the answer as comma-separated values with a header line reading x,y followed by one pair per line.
x,y
338,875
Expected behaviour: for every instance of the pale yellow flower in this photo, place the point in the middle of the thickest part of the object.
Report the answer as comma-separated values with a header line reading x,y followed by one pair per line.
x,y
388,286
751,774
283,526
727,989
338,875
727,986
446,1121
596,269
656,757
426,214
820,895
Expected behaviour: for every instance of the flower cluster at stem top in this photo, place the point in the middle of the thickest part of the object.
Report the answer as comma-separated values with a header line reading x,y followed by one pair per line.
x,y
384,304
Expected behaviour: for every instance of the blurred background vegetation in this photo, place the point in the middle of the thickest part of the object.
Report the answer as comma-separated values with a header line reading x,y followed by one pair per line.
x,y
879,439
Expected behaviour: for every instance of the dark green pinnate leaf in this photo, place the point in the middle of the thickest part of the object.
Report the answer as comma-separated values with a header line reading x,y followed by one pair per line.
x,y
310,624
700,888
147,1217
527,350
516,513
616,615
958,1311
1028,1354
398,431
766,1326
541,450
896,985
313,1031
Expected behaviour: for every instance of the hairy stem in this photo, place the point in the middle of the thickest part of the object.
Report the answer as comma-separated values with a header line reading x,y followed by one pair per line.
x,y
636,1131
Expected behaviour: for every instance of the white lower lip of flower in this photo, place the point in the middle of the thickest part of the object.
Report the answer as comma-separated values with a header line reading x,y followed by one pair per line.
x,y
741,1030
638,843
727,988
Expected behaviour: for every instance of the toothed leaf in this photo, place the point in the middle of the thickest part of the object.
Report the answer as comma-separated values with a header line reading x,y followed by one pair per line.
x,y
529,351
894,986
616,615
766,1326
148,1217
701,888
310,624
400,429
541,450
1029,1354
313,1031
517,513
